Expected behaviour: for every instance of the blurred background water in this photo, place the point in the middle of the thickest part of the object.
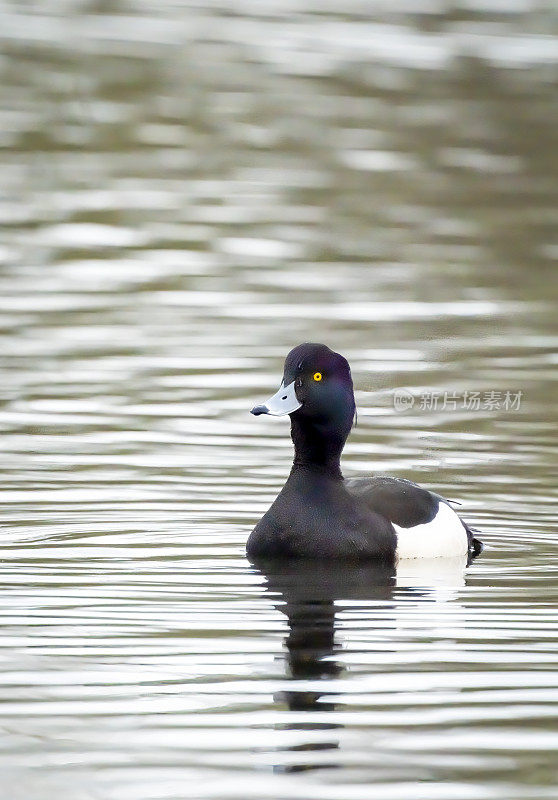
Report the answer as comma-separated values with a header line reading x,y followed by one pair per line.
x,y
188,190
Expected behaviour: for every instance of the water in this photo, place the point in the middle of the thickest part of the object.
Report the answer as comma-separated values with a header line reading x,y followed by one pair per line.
x,y
188,190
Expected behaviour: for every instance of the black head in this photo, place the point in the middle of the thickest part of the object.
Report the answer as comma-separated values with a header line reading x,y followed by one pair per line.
x,y
317,393
323,384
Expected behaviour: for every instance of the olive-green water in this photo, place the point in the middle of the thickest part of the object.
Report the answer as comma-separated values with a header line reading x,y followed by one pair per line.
x,y
188,190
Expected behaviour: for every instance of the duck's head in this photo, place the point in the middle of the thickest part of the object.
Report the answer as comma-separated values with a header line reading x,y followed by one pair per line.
x,y
317,389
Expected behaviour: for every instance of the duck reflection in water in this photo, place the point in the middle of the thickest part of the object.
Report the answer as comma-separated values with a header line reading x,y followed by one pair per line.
x,y
310,593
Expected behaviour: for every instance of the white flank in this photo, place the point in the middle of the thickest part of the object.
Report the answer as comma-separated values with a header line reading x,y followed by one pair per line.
x,y
442,537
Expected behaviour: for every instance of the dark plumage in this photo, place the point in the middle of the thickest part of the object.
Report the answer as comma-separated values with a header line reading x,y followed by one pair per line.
x,y
318,514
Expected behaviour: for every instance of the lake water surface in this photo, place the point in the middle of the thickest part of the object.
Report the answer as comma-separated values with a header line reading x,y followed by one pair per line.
x,y
188,190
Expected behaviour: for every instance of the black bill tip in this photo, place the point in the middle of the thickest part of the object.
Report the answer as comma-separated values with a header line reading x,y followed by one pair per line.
x,y
257,410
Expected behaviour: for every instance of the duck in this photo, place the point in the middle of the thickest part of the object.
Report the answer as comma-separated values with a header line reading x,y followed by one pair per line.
x,y
318,514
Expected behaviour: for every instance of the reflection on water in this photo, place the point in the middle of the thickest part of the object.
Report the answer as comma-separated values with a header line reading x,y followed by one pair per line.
x,y
188,190
310,594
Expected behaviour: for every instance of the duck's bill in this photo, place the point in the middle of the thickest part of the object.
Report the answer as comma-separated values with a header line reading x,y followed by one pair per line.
x,y
283,402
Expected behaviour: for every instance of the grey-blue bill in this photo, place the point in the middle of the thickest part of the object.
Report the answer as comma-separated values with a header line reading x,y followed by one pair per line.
x,y
284,401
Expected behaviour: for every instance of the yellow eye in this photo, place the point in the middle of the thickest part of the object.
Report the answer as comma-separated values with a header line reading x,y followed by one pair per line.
x,y
317,376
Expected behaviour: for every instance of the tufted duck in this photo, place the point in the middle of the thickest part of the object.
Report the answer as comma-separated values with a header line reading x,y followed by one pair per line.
x,y
318,514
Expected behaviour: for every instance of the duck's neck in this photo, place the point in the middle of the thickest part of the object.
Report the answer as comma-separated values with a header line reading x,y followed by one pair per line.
x,y
317,446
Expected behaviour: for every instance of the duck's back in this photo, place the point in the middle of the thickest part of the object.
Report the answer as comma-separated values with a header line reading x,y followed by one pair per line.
x,y
316,516
424,523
